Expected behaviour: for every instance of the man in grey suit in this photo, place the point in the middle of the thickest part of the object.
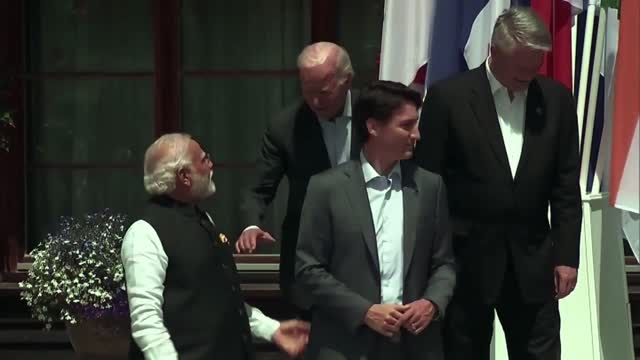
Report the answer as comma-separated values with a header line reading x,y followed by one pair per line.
x,y
374,250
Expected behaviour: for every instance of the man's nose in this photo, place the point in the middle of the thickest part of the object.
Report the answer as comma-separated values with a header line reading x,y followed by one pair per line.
x,y
415,133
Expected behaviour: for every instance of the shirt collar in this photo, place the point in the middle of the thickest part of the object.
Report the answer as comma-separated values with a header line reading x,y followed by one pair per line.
x,y
183,208
347,105
493,82
370,172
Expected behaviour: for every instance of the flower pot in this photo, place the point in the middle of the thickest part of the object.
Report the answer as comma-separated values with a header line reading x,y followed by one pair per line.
x,y
100,339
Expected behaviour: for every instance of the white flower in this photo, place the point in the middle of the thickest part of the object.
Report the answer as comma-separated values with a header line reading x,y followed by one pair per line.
x,y
78,265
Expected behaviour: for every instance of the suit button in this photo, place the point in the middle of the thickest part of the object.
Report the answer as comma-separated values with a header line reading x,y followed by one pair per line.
x,y
241,311
224,266
245,338
233,288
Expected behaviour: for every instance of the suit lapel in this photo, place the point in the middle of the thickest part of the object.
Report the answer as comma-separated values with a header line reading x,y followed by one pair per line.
x,y
313,139
356,138
535,115
357,194
487,117
410,213
206,222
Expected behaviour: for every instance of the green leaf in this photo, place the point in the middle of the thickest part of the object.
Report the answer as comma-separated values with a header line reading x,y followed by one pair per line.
x,y
611,4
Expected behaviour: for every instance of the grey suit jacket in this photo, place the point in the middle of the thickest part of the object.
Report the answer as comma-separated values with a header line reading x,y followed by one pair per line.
x,y
337,260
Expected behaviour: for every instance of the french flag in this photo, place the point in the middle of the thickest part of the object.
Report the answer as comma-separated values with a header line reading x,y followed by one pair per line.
x,y
461,35
427,41
406,41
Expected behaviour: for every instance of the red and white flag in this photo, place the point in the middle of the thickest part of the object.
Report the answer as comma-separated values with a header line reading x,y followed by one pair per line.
x,y
625,150
625,159
406,41
558,16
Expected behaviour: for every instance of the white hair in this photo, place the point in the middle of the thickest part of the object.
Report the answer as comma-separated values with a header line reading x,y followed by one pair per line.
x,y
318,53
162,160
520,26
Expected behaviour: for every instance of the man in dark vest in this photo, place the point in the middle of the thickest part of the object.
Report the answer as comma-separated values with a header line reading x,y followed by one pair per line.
x,y
182,284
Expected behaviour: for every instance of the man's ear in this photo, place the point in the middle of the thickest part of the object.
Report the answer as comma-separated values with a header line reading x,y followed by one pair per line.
x,y
372,127
349,80
492,50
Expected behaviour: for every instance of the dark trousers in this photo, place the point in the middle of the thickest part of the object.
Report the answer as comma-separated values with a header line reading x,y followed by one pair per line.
x,y
293,295
532,330
387,349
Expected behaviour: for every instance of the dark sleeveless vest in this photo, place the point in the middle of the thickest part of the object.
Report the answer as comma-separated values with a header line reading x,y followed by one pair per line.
x,y
203,306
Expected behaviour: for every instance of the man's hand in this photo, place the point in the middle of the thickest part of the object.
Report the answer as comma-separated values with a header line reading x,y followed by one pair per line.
x,y
292,337
565,278
418,316
247,241
385,319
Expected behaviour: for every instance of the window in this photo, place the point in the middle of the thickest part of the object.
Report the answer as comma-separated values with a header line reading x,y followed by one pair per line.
x,y
239,69
100,81
359,30
90,108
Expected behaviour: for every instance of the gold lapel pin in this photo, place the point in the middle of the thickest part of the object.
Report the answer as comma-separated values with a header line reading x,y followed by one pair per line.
x,y
223,238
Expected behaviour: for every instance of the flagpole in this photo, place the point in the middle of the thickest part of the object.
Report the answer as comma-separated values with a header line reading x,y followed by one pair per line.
x,y
584,69
593,99
574,45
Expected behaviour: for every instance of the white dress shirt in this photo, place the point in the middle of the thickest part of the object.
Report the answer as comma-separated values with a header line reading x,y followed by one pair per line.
x,y
511,116
145,265
386,204
337,134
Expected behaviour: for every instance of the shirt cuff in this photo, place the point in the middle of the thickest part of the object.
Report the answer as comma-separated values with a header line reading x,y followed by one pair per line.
x,y
268,329
262,326
250,227
162,351
436,309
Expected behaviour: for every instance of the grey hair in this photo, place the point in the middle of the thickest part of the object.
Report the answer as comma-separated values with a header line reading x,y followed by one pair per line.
x,y
520,26
162,160
318,53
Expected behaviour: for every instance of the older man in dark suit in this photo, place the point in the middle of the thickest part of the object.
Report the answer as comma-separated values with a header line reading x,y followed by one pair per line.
x,y
306,138
506,143
374,251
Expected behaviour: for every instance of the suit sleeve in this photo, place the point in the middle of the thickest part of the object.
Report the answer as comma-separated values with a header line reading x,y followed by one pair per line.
x,y
313,254
566,206
430,152
269,172
442,279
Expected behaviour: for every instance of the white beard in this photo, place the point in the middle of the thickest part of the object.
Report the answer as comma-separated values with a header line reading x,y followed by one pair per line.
x,y
203,186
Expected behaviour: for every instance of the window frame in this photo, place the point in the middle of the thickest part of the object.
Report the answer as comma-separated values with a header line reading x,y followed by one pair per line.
x,y
167,88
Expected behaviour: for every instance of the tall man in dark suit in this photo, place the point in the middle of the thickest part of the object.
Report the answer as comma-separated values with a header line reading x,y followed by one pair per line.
x,y
306,138
505,141
374,250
